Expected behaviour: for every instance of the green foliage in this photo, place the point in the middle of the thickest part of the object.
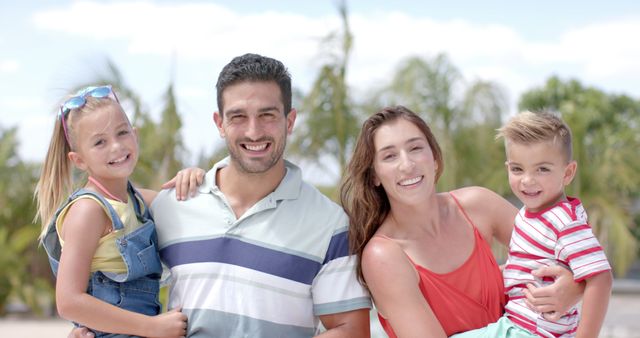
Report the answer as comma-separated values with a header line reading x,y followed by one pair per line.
x,y
463,118
25,276
605,143
327,124
161,147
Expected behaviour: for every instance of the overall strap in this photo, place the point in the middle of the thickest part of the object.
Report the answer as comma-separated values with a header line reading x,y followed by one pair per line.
x,y
115,218
138,204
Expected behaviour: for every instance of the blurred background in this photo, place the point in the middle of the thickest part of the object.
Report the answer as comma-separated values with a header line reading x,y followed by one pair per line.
x,y
465,66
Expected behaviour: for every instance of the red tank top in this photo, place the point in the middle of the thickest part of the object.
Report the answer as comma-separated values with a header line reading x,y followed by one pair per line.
x,y
467,298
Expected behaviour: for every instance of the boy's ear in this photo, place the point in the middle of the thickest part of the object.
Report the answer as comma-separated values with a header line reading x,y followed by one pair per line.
x,y
570,172
77,161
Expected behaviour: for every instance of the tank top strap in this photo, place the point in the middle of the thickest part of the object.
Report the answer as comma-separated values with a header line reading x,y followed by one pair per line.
x,y
413,264
464,213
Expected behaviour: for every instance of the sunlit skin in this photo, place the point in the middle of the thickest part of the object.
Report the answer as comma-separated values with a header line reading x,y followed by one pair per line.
x,y
403,164
254,126
106,147
538,173
430,228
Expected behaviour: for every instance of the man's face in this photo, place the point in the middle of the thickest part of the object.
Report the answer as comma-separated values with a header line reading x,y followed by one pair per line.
x,y
254,125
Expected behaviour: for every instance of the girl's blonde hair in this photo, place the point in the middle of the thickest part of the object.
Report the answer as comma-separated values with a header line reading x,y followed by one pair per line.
x,y
56,181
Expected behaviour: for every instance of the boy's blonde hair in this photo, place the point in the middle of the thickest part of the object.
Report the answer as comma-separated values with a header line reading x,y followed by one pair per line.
x,y
529,127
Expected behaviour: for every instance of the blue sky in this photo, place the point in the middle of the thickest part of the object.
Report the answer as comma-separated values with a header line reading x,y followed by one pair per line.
x,y
48,47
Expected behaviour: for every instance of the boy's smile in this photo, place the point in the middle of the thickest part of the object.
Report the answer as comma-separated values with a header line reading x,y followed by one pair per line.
x,y
538,173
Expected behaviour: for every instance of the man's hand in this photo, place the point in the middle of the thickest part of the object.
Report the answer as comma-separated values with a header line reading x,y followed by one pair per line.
x,y
554,300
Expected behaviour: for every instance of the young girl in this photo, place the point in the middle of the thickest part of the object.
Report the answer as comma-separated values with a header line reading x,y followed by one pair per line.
x,y
102,243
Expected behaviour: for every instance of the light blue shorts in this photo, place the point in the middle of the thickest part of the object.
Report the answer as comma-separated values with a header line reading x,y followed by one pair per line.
x,y
503,328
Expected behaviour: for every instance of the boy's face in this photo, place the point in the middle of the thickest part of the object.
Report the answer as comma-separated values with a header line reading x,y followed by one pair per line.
x,y
538,173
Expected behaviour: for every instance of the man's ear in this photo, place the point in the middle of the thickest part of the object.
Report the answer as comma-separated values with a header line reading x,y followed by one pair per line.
x,y
291,120
570,172
77,160
217,119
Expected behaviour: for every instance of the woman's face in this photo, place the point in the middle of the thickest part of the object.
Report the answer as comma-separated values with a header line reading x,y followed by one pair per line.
x,y
403,162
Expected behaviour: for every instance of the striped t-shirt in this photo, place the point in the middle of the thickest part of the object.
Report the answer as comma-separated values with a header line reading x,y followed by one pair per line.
x,y
270,273
559,235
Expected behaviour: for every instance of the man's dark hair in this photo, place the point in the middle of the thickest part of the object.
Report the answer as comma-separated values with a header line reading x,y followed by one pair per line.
x,y
254,67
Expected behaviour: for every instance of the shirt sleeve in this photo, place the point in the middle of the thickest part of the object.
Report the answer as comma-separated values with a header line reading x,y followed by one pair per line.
x,y
336,288
579,248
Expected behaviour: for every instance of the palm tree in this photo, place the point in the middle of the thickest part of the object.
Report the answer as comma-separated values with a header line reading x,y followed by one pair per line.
x,y
605,143
161,147
25,273
464,118
328,124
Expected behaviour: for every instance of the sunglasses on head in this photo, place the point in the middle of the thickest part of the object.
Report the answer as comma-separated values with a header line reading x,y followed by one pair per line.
x,y
80,99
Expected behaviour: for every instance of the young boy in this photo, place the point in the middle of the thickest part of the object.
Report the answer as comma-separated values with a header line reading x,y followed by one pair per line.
x,y
550,229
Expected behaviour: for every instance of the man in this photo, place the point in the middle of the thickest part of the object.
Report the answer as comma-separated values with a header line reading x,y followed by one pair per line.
x,y
258,252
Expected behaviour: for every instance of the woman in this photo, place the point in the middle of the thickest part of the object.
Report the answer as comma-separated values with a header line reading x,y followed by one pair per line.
x,y
425,256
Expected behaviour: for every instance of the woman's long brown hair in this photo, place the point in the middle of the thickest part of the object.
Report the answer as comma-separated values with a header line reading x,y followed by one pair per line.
x,y
366,204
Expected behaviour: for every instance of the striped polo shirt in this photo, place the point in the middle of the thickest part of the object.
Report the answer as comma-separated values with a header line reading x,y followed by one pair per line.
x,y
269,273
559,235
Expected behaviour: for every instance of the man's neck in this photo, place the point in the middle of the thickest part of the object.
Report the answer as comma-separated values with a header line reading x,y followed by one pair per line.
x,y
243,190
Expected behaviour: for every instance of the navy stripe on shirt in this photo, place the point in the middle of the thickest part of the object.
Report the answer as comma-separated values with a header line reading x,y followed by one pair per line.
x,y
233,251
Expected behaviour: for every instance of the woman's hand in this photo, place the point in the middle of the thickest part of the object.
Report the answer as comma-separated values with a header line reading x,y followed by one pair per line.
x,y
186,182
556,299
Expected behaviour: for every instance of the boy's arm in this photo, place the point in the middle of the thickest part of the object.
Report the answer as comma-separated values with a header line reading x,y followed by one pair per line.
x,y
594,304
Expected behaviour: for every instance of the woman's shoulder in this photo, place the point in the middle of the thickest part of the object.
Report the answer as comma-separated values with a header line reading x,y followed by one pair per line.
x,y
473,197
385,265
383,253
381,247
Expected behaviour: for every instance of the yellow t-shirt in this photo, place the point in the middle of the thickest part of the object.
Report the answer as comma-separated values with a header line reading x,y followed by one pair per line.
x,y
107,257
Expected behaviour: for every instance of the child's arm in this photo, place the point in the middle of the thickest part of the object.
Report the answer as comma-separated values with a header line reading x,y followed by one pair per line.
x,y
186,182
594,304
84,225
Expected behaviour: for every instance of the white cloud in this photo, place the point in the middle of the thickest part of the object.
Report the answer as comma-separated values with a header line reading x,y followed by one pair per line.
x,y
205,31
197,31
190,92
602,53
9,66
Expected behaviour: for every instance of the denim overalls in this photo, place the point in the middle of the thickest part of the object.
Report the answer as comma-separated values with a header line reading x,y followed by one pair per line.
x,y
137,290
